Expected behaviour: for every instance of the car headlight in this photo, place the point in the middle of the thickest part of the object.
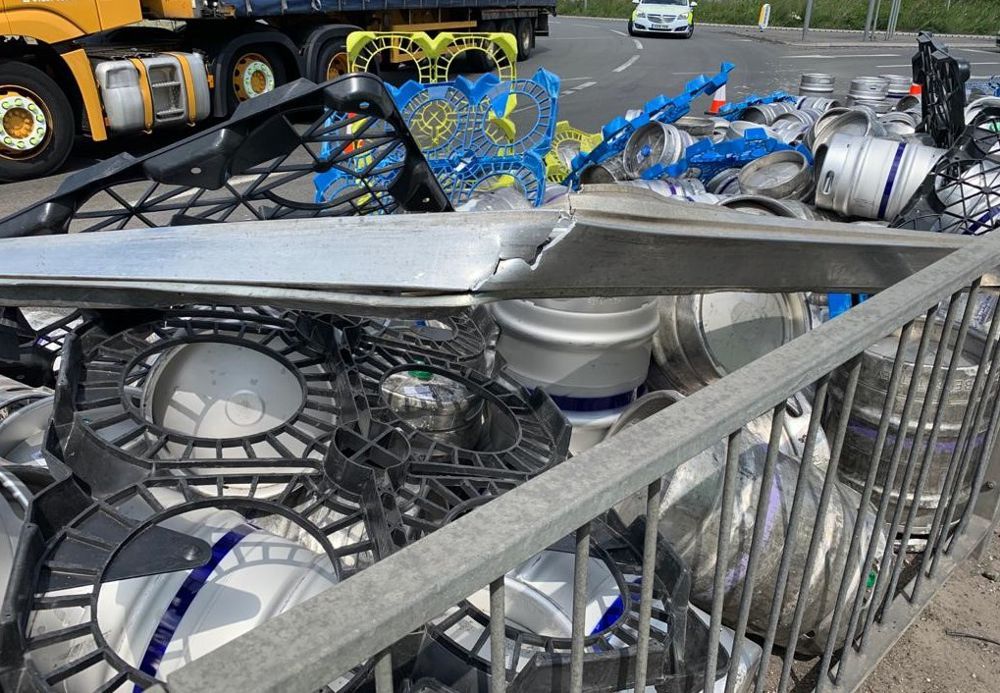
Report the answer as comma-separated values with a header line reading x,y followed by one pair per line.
x,y
640,15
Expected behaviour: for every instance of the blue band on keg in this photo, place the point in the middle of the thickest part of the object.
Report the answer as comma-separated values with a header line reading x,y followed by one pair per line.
x,y
891,180
610,617
585,404
183,599
980,223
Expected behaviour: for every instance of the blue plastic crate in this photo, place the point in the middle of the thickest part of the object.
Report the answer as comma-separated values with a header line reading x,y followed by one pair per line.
x,y
661,109
462,130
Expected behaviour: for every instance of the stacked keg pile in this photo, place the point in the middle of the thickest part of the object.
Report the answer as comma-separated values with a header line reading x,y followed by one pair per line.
x,y
234,436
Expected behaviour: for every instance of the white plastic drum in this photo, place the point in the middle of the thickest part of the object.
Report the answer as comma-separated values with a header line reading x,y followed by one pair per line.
x,y
591,355
160,623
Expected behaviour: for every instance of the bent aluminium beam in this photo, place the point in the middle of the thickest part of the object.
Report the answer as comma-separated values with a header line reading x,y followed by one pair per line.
x,y
596,245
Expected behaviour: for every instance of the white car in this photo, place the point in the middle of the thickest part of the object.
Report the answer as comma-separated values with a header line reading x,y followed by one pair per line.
x,y
674,17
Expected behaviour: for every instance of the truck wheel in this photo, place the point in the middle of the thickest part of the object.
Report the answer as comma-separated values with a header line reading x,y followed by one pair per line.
x,y
508,26
253,71
525,38
476,60
332,61
37,125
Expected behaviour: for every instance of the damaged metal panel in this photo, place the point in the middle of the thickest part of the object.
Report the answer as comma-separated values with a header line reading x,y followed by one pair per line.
x,y
601,244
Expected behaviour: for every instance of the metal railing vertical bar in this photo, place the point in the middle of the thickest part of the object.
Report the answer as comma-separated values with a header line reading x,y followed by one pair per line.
x,y
449,564
884,578
984,461
498,637
756,545
778,600
725,529
958,462
982,400
883,510
829,483
957,355
648,577
579,607
901,613
935,386
383,672
874,464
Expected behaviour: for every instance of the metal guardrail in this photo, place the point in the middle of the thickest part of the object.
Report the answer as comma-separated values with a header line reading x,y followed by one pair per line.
x,y
360,619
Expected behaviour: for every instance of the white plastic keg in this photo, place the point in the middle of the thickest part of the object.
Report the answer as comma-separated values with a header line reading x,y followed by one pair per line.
x,y
590,354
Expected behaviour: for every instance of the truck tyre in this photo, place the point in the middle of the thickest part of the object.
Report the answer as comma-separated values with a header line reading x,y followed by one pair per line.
x,y
508,26
332,62
525,38
252,71
37,125
478,61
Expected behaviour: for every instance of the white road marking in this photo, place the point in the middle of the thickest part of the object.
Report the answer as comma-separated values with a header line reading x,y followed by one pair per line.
x,y
638,44
585,85
627,64
984,63
838,57
615,31
976,50
573,79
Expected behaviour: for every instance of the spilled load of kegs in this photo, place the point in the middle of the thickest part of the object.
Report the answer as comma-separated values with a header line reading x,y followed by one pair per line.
x,y
173,478
870,155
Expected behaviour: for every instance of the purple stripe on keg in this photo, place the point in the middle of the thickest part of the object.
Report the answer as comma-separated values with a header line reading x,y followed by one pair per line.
x,y
980,223
871,433
183,599
585,404
891,180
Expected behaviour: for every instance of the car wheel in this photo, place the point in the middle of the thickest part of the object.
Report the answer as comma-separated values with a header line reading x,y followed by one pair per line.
x,y
690,31
631,28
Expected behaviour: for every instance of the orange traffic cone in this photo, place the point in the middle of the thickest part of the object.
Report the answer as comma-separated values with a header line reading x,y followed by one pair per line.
x,y
718,100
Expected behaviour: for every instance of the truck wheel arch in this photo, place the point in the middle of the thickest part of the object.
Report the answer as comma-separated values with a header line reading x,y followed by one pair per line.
x,y
43,56
316,41
224,53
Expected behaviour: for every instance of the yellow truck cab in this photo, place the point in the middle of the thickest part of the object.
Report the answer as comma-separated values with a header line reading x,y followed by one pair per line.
x,y
100,68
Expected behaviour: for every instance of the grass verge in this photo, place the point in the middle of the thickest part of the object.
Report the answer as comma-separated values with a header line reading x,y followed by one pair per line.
x,y
962,17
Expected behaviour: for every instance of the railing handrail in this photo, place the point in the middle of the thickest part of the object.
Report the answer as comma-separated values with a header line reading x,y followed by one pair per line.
x,y
324,637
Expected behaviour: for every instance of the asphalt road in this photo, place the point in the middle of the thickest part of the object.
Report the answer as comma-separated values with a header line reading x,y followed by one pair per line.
x,y
605,72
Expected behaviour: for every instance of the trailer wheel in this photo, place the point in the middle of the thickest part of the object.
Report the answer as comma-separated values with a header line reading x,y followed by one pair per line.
x,y
477,60
525,38
332,62
37,125
255,70
508,26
